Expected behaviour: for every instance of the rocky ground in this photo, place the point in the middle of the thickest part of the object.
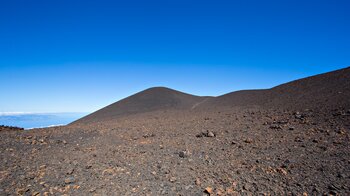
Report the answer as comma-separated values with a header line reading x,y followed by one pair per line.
x,y
226,151
9,128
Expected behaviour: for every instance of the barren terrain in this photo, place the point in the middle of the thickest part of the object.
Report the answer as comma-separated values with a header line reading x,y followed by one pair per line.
x,y
289,140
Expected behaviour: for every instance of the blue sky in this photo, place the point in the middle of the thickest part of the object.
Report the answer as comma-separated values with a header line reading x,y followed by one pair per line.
x,y
78,56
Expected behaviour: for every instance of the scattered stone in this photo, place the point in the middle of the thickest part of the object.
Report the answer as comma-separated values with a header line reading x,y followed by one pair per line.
x,y
299,116
184,154
70,171
88,166
76,187
281,171
198,182
248,141
206,134
298,139
147,135
188,187
341,131
286,163
246,187
69,180
210,134
21,191
219,191
172,179
230,191
208,190
275,126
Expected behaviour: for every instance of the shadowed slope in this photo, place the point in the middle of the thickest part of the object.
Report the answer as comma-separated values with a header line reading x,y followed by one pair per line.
x,y
157,98
330,89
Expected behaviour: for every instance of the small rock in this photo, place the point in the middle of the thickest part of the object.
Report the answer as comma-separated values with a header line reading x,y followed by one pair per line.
x,y
172,179
246,187
208,190
210,134
230,191
69,180
220,191
275,127
298,139
286,163
299,116
281,171
76,187
188,187
206,134
248,140
184,154
22,191
198,182
148,135
70,171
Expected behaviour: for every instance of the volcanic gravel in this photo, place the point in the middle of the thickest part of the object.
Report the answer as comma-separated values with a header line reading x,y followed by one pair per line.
x,y
232,149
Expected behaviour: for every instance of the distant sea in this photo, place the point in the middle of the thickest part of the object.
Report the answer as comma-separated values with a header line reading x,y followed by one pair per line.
x,y
38,120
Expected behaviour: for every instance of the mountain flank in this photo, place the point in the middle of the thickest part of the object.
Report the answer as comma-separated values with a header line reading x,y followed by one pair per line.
x,y
293,139
152,99
330,89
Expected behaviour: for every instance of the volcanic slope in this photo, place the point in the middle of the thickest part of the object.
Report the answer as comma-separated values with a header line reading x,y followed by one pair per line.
x,y
331,90
293,139
152,99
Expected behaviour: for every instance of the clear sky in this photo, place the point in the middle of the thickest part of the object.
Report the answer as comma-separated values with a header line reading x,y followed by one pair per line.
x,y
78,56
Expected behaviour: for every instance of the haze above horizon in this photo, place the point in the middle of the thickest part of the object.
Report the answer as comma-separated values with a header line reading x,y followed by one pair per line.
x,y
81,56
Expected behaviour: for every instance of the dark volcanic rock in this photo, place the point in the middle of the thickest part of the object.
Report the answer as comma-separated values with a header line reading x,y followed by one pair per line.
x,y
136,147
10,128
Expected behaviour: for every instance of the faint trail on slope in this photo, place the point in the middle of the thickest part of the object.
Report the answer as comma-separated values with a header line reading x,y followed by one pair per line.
x,y
197,104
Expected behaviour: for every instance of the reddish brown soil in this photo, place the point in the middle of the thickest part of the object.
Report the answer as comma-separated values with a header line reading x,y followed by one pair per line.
x,y
289,140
